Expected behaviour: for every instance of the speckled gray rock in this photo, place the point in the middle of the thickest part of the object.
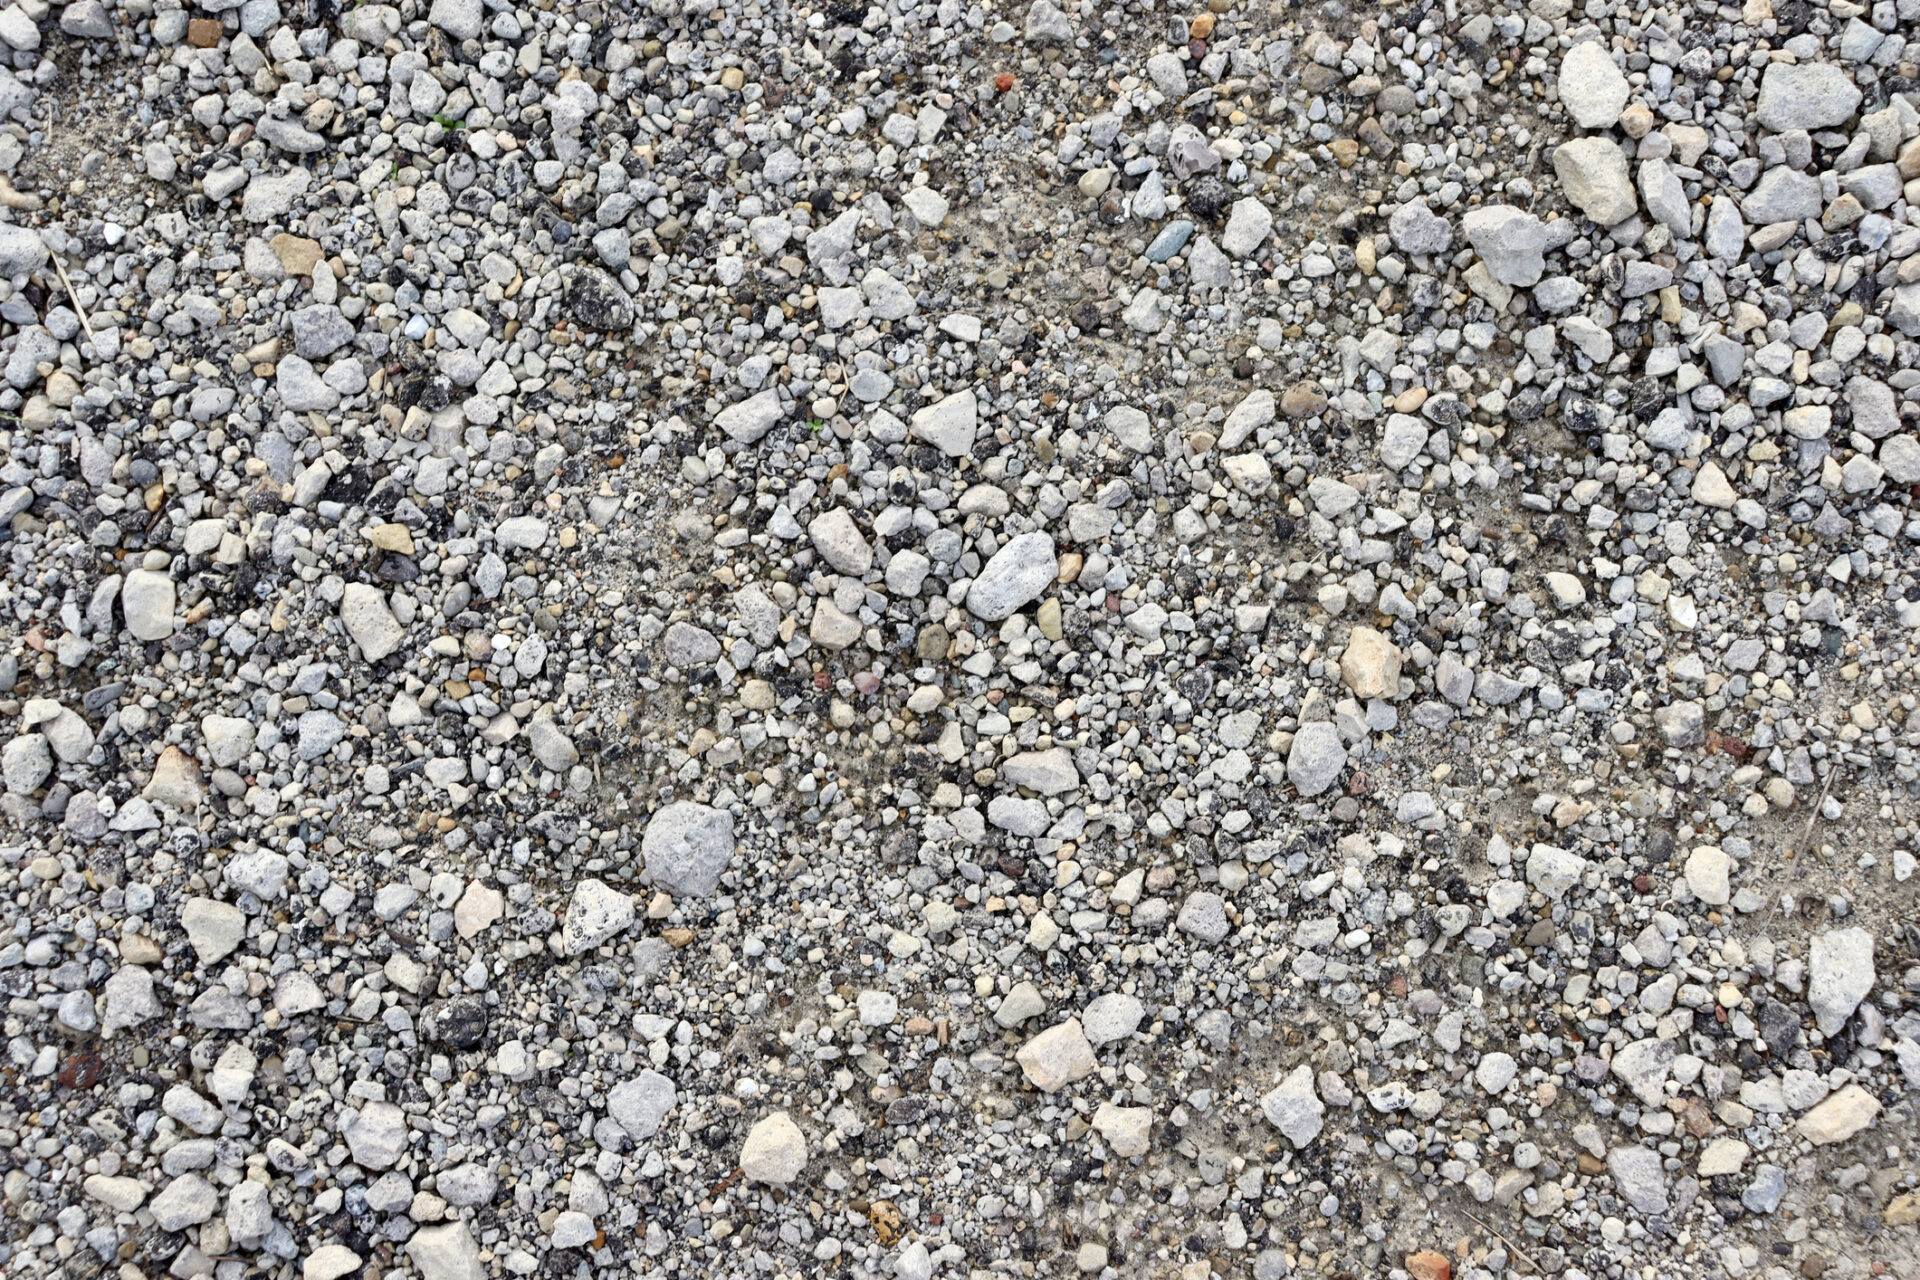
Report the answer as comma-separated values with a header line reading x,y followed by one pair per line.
x,y
596,913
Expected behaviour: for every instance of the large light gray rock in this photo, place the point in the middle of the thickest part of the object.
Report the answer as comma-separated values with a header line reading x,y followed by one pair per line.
x,y
1593,89
1294,1108
839,541
752,418
775,1151
640,1105
458,18
686,847
22,251
1316,758
1111,1017
377,1136
1639,1178
187,1201
1554,871
1593,173
1805,95
446,1252
213,928
1247,227
1019,572
1840,974
950,424
1512,242
1415,228
147,600
1782,195
1057,1057
1643,1067
1049,772
364,611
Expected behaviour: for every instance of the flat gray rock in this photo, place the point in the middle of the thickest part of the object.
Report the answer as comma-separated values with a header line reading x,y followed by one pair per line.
x,y
775,1151
751,418
1111,1017
950,424
1805,95
364,612
1510,241
1048,772
1639,1178
1840,974
1294,1108
446,1252
1593,173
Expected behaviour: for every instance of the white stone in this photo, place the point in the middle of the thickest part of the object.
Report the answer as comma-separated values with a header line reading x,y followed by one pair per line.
x,y
364,611
775,1151
1111,1017
1057,1057
1840,974
446,1252
1592,87
640,1105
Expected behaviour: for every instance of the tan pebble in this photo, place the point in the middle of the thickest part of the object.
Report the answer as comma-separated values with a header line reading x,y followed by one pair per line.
x,y
297,254
393,537
1048,617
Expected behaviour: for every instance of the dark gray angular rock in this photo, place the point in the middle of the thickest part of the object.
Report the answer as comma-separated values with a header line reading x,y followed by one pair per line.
x,y
596,301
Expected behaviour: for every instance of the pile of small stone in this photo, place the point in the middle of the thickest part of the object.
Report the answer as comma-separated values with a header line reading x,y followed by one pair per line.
x,y
901,639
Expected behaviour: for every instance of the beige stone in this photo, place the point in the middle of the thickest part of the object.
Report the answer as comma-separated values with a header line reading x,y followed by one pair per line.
x,y
1371,665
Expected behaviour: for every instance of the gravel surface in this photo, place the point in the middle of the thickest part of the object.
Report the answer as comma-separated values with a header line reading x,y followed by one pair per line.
x,y
920,638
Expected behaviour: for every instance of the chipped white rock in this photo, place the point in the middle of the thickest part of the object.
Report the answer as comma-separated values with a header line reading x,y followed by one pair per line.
x,y
1057,1057
775,1152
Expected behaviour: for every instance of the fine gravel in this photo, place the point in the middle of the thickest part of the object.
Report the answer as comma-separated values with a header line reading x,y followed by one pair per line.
x,y
893,639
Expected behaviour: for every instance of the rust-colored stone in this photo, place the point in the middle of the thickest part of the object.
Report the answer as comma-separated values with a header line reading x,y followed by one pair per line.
x,y
203,33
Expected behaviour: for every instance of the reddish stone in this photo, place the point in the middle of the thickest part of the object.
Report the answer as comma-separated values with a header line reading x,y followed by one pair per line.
x,y
1428,1265
203,33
